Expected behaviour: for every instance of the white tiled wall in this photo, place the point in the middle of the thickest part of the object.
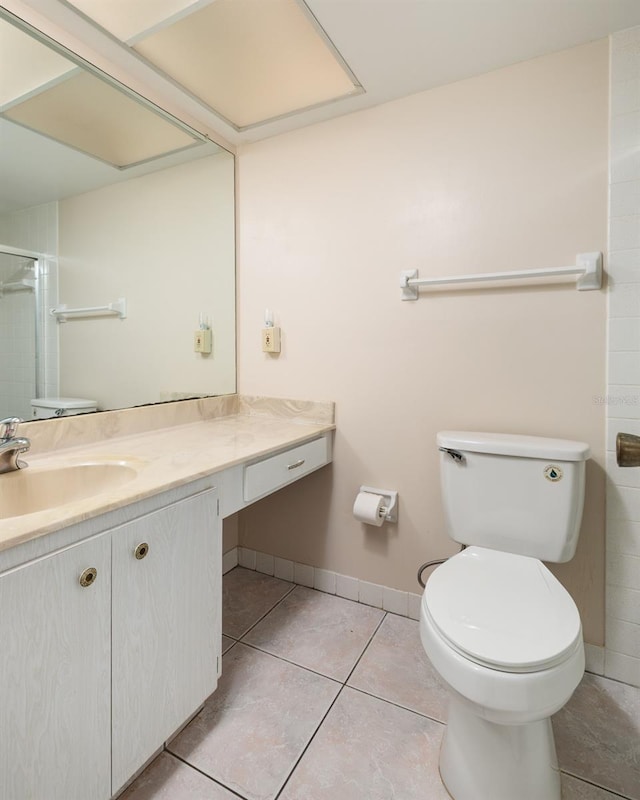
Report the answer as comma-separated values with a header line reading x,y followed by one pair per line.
x,y
622,638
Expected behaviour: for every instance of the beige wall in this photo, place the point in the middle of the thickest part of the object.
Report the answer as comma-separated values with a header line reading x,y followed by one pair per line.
x,y
165,242
504,171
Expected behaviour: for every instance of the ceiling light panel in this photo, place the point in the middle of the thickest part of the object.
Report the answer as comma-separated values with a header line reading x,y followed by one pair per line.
x,y
249,60
94,117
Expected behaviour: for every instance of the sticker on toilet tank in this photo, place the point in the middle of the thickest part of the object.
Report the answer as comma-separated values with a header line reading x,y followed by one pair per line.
x,y
553,473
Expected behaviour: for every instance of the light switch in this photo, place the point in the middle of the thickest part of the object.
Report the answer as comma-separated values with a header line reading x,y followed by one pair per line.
x,y
271,340
202,341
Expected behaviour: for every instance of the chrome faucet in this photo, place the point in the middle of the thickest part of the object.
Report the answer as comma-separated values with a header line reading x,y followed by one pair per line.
x,y
12,446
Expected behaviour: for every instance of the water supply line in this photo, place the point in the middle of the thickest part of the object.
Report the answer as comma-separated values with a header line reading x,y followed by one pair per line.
x,y
434,563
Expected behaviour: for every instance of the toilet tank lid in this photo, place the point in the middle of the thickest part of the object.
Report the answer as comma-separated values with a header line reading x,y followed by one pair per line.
x,y
507,444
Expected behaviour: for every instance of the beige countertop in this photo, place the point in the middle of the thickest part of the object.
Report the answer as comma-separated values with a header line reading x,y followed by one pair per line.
x,y
165,457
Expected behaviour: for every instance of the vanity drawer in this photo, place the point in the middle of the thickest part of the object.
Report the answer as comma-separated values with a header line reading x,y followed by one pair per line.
x,y
279,470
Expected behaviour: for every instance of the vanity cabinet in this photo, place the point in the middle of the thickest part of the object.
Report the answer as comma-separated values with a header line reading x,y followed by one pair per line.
x,y
166,626
55,676
106,648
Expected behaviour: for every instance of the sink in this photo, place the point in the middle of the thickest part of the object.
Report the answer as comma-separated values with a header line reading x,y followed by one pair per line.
x,y
28,490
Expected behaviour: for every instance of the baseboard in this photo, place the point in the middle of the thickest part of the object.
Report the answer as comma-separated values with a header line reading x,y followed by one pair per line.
x,y
405,604
594,658
229,560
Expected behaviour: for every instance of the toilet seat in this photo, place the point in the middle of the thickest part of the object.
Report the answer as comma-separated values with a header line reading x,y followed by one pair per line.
x,y
506,612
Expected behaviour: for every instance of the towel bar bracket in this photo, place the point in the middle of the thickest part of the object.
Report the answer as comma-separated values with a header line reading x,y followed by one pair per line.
x,y
409,292
591,278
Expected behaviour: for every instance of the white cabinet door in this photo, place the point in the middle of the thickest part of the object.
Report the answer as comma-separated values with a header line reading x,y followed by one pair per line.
x,y
166,625
55,677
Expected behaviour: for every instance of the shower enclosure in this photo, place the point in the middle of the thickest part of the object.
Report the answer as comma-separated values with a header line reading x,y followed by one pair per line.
x,y
25,280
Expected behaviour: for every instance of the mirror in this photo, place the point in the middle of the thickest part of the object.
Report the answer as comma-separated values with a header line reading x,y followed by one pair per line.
x,y
116,242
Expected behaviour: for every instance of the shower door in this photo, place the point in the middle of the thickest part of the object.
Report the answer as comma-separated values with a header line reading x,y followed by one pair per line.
x,y
18,334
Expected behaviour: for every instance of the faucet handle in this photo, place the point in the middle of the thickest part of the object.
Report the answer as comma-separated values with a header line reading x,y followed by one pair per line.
x,y
9,427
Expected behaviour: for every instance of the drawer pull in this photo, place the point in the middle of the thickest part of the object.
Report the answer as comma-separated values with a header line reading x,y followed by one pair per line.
x,y
88,576
296,464
141,550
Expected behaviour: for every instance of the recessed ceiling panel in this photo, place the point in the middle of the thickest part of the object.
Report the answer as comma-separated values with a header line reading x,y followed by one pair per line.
x,y
250,60
92,116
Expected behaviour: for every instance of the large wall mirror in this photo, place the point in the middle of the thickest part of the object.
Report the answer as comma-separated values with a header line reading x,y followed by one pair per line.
x,y
116,241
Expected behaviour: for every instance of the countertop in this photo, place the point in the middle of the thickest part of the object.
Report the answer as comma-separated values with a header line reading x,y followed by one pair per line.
x,y
165,458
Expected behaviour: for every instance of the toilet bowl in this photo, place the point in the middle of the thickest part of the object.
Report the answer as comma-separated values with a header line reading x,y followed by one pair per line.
x,y
498,627
506,637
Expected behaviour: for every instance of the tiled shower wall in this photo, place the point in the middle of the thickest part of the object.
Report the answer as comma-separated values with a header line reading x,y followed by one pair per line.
x,y
622,637
17,355
34,229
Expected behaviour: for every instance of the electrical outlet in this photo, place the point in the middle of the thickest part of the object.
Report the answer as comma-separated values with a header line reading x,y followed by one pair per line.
x,y
271,340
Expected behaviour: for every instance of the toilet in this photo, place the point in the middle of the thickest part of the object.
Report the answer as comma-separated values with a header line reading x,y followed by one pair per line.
x,y
498,627
49,407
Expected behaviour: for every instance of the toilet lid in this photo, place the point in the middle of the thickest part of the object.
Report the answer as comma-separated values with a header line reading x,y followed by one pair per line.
x,y
502,610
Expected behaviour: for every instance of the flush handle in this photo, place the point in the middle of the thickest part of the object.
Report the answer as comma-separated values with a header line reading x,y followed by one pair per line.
x,y
628,450
455,455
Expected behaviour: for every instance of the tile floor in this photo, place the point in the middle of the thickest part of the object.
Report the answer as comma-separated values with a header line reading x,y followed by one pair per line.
x,y
322,698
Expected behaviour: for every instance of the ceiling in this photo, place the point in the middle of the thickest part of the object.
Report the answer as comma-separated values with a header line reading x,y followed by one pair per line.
x,y
393,48
399,47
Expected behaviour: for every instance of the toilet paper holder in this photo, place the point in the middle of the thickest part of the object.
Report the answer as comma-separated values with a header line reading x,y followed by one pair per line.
x,y
390,501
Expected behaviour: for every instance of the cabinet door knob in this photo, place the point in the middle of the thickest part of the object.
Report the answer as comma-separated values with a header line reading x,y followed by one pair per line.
x,y
88,577
141,550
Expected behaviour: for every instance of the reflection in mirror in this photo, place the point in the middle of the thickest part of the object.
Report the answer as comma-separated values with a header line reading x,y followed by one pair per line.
x,y
45,92
18,367
100,219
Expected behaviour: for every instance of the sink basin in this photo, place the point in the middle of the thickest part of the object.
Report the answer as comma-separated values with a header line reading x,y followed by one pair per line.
x,y
28,490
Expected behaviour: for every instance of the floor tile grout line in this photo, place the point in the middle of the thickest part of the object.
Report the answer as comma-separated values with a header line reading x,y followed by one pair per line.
x,y
335,700
213,780
308,744
231,646
344,683
309,669
266,614
292,663
366,647
616,680
396,705
596,785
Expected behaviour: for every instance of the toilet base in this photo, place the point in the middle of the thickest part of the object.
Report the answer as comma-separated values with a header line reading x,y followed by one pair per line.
x,y
482,760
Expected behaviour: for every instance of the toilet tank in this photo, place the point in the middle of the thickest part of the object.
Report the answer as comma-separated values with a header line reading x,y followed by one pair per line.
x,y
516,494
50,407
